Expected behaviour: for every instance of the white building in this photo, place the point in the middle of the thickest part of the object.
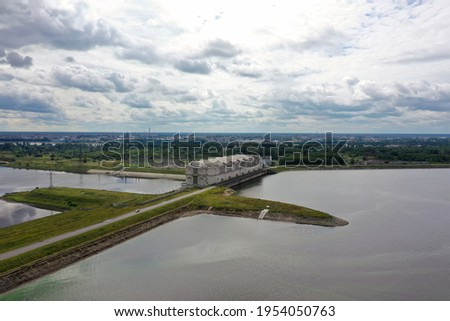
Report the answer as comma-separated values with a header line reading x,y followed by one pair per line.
x,y
220,169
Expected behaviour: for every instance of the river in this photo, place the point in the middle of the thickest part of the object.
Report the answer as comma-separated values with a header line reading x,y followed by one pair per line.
x,y
14,180
396,247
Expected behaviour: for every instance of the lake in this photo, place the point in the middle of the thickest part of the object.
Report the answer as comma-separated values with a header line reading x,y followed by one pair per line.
x,y
396,247
15,180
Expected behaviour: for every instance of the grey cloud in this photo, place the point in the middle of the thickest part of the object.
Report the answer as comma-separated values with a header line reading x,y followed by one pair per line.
x,y
79,76
187,98
414,2
220,48
322,102
16,60
421,57
279,75
122,83
250,74
6,77
161,91
243,67
424,96
69,59
2,53
351,81
193,66
136,101
245,72
374,91
333,110
86,102
146,54
219,107
413,95
30,101
36,22
302,73
159,115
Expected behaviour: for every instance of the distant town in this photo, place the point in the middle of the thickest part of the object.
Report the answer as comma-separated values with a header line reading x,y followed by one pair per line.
x,y
171,152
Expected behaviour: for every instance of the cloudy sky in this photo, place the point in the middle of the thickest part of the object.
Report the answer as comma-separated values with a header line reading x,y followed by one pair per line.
x,y
230,66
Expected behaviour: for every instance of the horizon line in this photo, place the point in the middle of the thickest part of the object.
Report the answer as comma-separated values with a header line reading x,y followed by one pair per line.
x,y
220,132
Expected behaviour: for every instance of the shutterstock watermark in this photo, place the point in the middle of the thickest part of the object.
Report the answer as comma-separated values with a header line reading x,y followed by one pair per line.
x,y
179,152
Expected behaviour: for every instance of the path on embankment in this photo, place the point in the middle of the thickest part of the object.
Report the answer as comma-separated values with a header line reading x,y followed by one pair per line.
x,y
61,237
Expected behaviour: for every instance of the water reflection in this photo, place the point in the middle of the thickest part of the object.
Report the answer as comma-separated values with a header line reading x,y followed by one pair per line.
x,y
396,247
15,213
15,180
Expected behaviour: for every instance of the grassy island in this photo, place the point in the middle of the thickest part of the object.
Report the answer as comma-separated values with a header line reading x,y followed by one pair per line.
x,y
86,207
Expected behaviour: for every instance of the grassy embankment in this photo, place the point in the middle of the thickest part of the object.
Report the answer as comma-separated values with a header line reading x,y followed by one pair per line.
x,y
76,166
82,207
87,207
218,201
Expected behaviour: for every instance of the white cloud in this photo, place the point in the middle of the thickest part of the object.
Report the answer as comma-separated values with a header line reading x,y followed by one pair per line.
x,y
229,65
79,76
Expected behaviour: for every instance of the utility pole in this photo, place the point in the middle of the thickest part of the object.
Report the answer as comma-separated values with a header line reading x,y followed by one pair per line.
x,y
51,179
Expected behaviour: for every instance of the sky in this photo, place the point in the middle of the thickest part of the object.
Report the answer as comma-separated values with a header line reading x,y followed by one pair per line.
x,y
225,66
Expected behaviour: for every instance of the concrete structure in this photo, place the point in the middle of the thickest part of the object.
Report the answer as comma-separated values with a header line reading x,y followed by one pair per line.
x,y
219,170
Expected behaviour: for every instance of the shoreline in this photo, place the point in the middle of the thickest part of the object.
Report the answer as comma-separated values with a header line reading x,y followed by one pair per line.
x,y
52,263
277,217
274,170
280,169
175,177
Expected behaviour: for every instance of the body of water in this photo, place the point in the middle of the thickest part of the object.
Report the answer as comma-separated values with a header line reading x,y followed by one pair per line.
x,y
15,180
396,247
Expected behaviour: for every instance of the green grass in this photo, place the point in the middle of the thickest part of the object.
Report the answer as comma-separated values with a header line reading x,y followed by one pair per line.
x,y
216,199
83,207
46,163
71,198
77,166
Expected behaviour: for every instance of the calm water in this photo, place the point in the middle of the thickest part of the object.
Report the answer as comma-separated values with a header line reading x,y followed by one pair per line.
x,y
397,247
15,213
14,180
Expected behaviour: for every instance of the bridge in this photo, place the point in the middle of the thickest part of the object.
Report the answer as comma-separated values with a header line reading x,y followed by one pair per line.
x,y
232,182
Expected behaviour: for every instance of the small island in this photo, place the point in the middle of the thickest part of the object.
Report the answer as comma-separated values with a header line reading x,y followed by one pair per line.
x,y
100,219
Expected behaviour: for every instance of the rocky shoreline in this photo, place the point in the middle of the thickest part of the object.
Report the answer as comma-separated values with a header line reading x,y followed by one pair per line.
x,y
289,218
52,263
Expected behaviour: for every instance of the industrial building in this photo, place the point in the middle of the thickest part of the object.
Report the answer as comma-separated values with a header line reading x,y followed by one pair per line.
x,y
219,170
